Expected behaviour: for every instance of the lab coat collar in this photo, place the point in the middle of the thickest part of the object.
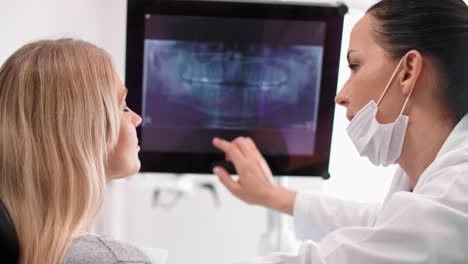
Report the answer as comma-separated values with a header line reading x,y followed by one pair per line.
x,y
457,139
452,153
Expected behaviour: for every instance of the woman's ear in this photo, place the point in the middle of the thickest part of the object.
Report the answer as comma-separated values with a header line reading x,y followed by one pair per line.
x,y
411,69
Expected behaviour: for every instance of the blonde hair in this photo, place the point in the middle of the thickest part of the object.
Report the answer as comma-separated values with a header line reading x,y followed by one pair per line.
x,y
59,123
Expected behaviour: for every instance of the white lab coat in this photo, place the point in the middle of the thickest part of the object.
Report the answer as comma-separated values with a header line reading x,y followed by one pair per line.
x,y
428,225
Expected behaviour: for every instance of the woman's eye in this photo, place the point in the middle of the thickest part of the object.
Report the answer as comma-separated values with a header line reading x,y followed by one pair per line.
x,y
353,66
126,109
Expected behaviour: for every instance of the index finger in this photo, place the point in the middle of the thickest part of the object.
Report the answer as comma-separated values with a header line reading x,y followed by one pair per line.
x,y
229,149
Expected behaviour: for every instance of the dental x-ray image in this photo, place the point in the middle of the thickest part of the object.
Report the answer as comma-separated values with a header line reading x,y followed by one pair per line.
x,y
260,78
230,86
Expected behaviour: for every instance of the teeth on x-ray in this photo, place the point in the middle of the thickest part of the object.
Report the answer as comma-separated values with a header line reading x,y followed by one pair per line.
x,y
229,83
265,73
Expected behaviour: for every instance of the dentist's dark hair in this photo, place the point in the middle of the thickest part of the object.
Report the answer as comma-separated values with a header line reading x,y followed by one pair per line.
x,y
438,29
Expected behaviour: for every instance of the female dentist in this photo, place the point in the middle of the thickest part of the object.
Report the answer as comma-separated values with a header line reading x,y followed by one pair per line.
x,y
407,102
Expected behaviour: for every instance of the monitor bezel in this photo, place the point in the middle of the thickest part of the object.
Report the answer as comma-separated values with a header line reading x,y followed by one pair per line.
x,y
298,165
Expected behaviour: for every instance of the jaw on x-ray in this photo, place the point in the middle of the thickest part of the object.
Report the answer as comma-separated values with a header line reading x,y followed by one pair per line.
x,y
235,86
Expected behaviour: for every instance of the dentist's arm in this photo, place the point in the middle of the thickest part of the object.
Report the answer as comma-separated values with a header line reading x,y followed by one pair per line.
x,y
315,215
255,184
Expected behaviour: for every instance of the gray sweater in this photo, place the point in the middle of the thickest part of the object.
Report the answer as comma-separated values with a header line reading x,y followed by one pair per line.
x,y
92,249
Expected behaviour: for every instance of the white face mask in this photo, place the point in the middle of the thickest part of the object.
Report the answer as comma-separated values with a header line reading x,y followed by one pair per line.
x,y
382,144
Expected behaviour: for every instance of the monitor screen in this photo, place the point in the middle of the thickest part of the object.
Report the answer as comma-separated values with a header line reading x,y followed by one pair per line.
x,y
223,69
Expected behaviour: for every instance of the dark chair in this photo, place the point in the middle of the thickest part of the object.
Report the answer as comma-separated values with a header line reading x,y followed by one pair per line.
x,y
9,248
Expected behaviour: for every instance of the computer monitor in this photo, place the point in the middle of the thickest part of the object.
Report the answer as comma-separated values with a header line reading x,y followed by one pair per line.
x,y
202,69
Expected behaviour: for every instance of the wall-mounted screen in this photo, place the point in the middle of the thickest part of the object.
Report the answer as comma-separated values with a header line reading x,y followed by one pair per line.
x,y
196,70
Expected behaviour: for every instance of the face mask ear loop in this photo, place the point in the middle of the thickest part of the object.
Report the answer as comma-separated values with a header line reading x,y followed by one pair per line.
x,y
407,99
390,82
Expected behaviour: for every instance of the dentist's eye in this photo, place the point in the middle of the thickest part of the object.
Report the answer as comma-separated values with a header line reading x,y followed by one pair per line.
x,y
353,66
126,109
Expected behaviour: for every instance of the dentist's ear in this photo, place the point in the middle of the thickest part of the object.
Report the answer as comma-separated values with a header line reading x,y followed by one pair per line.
x,y
411,70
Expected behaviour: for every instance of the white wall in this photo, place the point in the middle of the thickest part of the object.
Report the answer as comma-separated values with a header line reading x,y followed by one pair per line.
x,y
102,22
24,20
195,231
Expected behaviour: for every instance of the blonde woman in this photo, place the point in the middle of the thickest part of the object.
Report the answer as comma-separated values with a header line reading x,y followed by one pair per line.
x,y
65,131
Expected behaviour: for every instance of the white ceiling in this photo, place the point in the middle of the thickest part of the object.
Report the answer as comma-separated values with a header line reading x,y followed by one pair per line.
x,y
359,4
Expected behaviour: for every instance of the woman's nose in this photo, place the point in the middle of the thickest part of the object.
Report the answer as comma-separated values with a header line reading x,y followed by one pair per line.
x,y
136,119
341,99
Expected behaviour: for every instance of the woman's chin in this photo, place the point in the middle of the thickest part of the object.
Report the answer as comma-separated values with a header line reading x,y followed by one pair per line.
x,y
129,170
134,169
